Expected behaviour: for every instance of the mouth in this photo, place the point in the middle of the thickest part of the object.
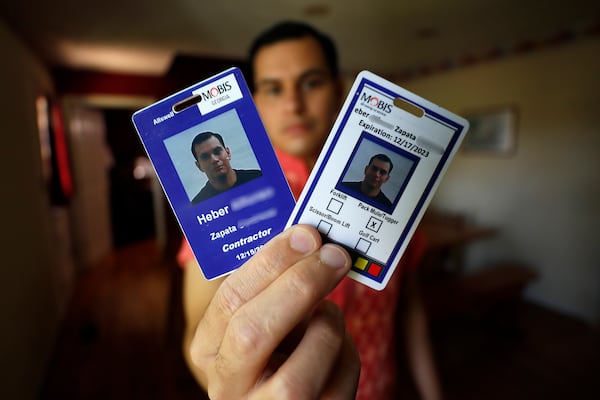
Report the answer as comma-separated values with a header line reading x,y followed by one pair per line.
x,y
219,168
297,128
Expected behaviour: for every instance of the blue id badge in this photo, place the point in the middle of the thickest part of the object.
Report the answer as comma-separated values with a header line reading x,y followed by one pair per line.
x,y
218,170
378,171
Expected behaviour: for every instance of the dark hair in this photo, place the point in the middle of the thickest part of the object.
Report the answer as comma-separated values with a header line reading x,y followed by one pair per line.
x,y
383,158
201,137
289,30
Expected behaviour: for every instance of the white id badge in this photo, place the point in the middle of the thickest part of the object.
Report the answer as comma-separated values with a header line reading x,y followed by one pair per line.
x,y
378,171
218,169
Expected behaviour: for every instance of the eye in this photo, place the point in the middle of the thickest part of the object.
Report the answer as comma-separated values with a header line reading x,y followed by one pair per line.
x,y
312,83
274,91
270,90
379,171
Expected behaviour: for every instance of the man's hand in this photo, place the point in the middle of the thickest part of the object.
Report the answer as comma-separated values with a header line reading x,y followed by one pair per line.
x,y
268,333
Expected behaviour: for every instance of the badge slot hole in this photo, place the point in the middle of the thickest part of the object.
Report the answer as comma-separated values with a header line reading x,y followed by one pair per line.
x,y
187,103
409,107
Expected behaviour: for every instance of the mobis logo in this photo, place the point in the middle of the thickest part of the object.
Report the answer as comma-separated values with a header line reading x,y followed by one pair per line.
x,y
218,94
376,102
216,91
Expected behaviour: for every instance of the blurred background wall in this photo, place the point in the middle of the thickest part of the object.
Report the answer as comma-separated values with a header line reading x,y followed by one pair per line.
x,y
32,284
544,197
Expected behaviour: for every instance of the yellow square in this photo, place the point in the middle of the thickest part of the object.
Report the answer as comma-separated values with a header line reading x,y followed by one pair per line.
x,y
361,263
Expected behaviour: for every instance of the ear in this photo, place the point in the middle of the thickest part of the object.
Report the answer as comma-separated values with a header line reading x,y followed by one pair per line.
x,y
228,153
198,165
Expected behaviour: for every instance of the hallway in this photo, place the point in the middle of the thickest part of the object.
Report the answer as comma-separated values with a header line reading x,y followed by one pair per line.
x,y
117,341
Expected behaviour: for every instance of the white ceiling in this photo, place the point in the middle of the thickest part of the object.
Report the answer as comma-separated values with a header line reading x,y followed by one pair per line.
x,y
386,36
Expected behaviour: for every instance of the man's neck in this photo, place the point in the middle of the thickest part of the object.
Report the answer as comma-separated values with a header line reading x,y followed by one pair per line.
x,y
225,181
369,190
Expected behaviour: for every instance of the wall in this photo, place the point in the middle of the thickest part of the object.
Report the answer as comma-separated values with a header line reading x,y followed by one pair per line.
x,y
30,305
545,198
90,205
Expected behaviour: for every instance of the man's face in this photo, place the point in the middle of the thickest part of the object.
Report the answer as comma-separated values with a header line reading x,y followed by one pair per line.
x,y
212,158
296,95
377,173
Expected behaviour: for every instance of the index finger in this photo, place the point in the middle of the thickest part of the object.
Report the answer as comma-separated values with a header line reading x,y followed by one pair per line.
x,y
281,252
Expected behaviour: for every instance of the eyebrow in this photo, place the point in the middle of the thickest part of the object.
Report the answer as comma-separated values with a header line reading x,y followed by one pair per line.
x,y
306,74
376,168
216,150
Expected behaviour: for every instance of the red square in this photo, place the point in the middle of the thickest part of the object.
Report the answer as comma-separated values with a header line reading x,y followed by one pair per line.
x,y
375,269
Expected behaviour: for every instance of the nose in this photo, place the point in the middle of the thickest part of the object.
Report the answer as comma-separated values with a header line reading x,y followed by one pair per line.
x,y
378,171
294,100
214,158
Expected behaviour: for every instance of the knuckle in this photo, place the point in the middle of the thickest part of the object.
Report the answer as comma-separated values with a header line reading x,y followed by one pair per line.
x,y
216,391
329,335
245,334
222,373
197,355
242,340
299,285
271,260
228,299
283,386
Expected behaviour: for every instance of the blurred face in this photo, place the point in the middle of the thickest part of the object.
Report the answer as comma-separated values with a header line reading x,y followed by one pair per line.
x,y
213,159
376,174
296,96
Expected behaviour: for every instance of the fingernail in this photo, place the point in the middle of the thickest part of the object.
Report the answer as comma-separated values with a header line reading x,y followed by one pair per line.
x,y
333,256
302,241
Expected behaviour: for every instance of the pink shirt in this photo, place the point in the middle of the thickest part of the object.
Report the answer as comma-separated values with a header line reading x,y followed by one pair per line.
x,y
370,314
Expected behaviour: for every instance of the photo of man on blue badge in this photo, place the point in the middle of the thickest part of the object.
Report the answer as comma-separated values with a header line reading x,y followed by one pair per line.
x,y
213,158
